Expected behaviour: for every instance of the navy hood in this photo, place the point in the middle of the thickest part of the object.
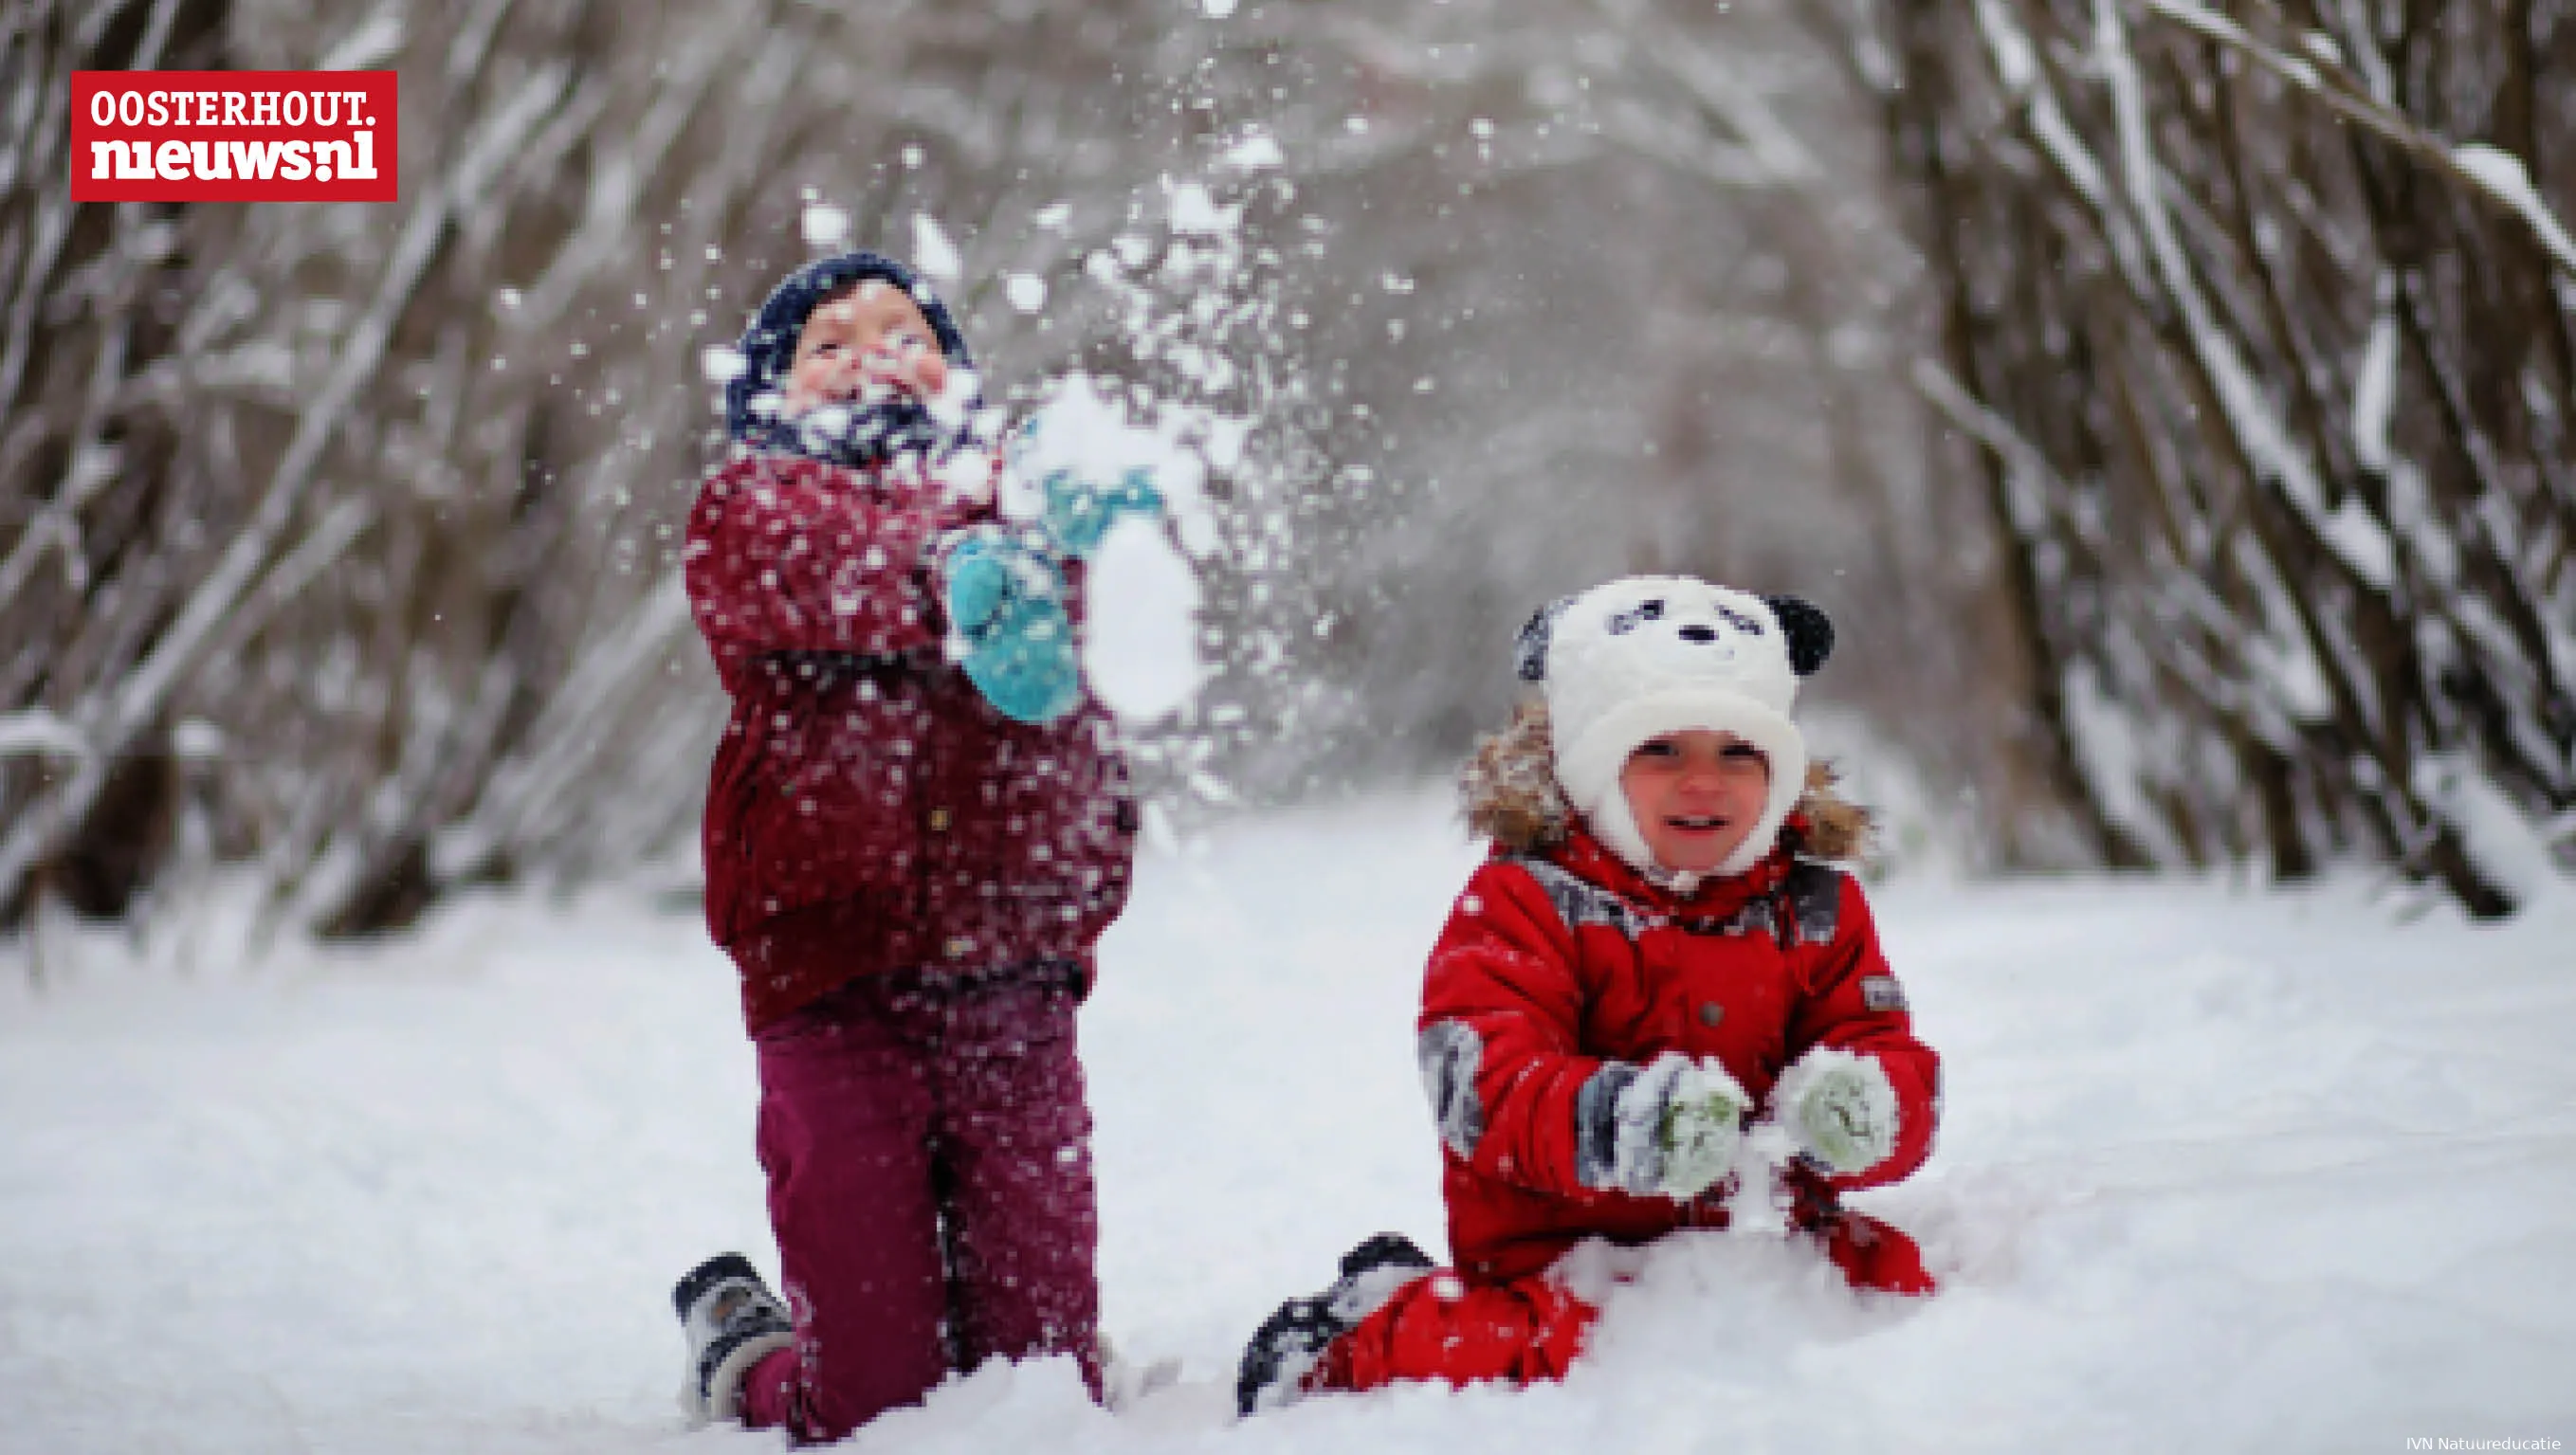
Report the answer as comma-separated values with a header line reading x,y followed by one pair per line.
x,y
768,350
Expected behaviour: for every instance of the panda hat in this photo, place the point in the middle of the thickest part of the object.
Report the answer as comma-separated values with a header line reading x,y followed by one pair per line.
x,y
1633,659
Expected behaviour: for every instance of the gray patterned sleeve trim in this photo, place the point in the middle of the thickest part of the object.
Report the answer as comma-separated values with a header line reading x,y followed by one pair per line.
x,y
1815,894
1596,1128
1578,902
1450,1052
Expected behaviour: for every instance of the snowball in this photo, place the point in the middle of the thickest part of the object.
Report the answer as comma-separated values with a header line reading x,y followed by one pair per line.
x,y
1027,291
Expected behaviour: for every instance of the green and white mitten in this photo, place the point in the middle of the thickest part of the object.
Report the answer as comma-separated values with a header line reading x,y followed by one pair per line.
x,y
1840,1108
1680,1126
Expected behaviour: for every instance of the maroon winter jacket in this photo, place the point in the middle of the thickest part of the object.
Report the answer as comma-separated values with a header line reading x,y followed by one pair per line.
x,y
868,810
1556,962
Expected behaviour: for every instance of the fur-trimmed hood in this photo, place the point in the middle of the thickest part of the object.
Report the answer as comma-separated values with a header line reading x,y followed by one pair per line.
x,y
1509,793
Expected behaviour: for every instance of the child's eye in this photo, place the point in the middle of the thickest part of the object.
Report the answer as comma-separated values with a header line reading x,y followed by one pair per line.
x,y
1658,750
1741,751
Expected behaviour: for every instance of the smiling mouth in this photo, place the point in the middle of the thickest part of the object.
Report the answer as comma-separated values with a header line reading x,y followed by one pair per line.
x,y
859,395
1696,824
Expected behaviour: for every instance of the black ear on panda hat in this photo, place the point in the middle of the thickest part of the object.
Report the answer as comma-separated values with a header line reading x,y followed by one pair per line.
x,y
1803,625
1633,659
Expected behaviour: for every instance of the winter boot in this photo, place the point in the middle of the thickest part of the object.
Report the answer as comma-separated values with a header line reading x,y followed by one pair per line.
x,y
1287,1345
730,1319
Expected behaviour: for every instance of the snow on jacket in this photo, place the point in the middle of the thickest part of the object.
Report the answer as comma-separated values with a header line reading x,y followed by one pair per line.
x,y
867,809
1562,968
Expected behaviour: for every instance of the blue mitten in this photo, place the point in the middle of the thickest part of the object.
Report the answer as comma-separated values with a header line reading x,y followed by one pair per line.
x,y
1079,513
1007,601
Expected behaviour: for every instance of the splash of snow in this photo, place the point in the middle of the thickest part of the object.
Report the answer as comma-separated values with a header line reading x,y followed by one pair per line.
x,y
1085,427
1196,213
932,252
1141,649
722,364
825,226
1254,152
955,398
968,476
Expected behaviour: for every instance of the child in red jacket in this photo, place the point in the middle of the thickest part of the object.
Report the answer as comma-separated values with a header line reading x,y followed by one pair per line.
x,y
916,829
1652,954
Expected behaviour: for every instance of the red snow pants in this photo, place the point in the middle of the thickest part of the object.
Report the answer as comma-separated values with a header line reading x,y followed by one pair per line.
x,y
1527,1329
929,1162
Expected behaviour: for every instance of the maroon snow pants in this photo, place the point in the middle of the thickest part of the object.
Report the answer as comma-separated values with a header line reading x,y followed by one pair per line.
x,y
929,1164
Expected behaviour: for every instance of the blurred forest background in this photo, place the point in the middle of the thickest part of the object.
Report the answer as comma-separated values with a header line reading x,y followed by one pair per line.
x,y
2170,402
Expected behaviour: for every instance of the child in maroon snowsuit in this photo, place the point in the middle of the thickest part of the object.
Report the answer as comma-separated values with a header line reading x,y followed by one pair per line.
x,y
909,881
1647,959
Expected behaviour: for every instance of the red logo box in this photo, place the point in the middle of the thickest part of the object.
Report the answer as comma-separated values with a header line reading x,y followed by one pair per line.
x,y
234,136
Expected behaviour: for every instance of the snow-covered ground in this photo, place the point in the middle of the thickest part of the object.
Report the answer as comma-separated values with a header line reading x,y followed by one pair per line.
x,y
2222,1170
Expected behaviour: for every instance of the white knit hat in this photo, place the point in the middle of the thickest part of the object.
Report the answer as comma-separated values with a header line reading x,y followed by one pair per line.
x,y
1633,659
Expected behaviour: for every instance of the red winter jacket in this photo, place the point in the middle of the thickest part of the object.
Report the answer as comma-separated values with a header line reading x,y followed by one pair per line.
x,y
1556,962
868,810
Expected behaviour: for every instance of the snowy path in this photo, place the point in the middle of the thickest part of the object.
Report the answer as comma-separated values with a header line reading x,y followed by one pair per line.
x,y
2220,1171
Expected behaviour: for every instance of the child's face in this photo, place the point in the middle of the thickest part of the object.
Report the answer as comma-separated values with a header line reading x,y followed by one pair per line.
x,y
868,338
1695,796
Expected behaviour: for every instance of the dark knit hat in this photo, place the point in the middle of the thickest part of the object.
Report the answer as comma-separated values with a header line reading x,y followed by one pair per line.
x,y
769,345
